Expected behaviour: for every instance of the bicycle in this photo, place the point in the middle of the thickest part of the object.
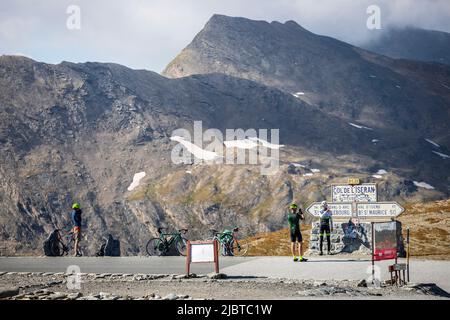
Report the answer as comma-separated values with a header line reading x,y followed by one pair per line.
x,y
64,243
230,245
161,246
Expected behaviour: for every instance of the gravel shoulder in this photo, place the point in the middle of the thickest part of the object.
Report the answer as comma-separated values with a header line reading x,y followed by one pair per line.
x,y
54,286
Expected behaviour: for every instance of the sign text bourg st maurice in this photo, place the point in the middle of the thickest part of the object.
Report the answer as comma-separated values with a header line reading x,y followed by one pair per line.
x,y
361,198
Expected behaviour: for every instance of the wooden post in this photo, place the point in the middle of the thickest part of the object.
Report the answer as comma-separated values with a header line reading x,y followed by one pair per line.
x,y
188,258
216,256
373,252
407,254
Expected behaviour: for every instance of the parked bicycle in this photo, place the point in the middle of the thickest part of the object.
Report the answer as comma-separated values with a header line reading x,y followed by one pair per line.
x,y
161,246
229,244
65,240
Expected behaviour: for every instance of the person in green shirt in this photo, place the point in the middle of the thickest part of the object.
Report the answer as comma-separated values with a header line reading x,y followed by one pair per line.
x,y
294,216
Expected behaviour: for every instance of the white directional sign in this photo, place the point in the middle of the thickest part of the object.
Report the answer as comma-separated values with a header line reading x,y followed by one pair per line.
x,y
364,210
337,209
379,209
366,192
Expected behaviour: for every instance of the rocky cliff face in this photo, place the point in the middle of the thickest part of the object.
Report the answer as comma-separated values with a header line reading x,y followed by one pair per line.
x,y
81,131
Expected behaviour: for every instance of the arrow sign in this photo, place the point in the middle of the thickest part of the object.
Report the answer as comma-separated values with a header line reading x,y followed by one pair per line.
x,y
379,209
337,209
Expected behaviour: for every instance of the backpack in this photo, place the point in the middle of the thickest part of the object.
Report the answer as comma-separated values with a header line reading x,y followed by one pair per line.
x,y
50,245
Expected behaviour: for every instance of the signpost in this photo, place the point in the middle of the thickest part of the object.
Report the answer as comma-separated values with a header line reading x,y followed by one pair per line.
x,y
338,209
379,209
355,200
363,209
366,192
202,252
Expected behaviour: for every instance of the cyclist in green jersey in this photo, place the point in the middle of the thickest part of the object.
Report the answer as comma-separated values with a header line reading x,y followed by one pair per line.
x,y
294,217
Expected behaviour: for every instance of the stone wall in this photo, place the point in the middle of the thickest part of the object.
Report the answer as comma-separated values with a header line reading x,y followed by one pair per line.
x,y
349,238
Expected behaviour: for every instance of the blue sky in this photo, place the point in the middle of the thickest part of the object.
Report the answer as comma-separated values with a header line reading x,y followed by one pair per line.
x,y
148,34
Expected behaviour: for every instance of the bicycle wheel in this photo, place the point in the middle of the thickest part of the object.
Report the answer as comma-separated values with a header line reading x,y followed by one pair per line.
x,y
240,247
58,248
156,247
181,246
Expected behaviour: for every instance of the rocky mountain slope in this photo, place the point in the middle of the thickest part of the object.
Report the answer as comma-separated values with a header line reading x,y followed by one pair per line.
x,y
82,131
337,78
412,43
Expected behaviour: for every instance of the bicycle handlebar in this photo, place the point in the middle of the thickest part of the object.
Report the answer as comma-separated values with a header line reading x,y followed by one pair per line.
x,y
160,229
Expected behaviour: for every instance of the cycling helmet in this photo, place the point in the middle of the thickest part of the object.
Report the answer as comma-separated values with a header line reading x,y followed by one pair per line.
x,y
293,206
75,206
324,204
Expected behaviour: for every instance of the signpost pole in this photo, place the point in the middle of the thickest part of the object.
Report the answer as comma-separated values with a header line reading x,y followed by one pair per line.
x,y
216,256
373,252
188,258
407,253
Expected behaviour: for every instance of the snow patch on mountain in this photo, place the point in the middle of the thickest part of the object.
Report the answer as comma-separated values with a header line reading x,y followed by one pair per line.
x,y
196,150
240,144
136,179
298,94
433,143
359,127
442,155
423,185
266,143
298,165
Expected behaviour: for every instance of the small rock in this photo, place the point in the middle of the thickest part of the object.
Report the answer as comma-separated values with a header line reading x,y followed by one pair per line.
x,y
73,296
362,283
42,292
2,273
181,276
319,284
104,294
57,296
8,292
171,296
215,275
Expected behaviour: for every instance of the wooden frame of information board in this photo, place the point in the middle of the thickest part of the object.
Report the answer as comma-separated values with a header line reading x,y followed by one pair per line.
x,y
202,252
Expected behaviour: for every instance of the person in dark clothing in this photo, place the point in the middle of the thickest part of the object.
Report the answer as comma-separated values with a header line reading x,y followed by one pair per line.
x,y
76,221
294,217
326,226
